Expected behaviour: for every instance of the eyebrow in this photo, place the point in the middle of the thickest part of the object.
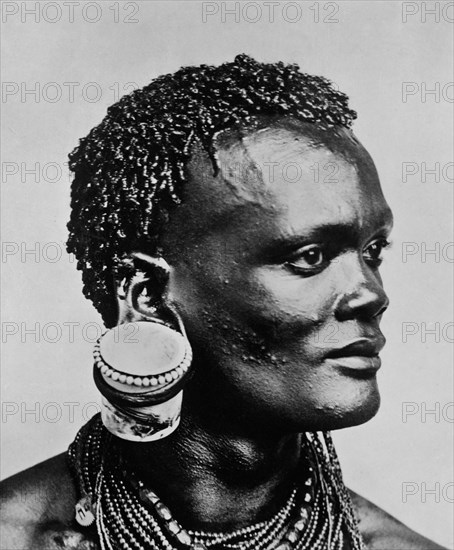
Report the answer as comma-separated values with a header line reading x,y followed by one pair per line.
x,y
335,233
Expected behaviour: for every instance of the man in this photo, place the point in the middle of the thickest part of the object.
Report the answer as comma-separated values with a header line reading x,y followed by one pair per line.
x,y
273,269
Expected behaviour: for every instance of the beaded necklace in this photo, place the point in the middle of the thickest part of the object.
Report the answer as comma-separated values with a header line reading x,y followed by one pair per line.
x,y
318,514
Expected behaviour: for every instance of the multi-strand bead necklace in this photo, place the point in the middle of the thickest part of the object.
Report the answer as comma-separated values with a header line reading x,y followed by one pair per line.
x,y
318,514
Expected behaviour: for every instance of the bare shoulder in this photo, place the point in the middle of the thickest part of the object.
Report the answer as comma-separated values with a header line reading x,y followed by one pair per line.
x,y
37,509
37,512
381,531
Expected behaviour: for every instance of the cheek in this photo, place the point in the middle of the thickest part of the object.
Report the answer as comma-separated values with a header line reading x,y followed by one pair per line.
x,y
262,311
290,303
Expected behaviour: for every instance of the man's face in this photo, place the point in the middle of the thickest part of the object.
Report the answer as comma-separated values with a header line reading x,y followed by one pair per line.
x,y
275,269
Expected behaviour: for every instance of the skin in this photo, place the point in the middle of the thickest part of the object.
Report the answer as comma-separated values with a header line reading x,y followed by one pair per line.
x,y
270,272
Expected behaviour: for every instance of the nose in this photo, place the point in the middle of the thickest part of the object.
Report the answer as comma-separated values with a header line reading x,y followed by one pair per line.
x,y
362,295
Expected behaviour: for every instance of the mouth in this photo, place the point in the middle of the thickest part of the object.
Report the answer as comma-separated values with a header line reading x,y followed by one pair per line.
x,y
357,366
359,359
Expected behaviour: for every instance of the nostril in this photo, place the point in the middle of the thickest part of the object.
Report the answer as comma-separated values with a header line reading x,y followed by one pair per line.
x,y
382,310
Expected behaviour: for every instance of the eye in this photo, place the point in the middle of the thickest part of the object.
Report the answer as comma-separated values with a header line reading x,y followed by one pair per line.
x,y
373,252
309,259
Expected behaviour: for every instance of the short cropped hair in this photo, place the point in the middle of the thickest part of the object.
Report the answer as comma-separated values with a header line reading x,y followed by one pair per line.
x,y
130,170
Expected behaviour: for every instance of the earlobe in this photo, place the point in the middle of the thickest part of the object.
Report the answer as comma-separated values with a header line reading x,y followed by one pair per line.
x,y
142,365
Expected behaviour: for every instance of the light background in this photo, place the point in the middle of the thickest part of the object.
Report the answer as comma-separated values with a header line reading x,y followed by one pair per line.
x,y
369,53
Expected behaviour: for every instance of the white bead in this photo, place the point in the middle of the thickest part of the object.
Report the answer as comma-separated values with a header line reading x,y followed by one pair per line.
x,y
115,375
183,537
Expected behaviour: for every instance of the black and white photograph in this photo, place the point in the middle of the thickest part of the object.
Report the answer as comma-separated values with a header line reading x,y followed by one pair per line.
x,y
227,275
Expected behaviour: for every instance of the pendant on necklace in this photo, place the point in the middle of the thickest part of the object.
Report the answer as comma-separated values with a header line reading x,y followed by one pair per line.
x,y
85,512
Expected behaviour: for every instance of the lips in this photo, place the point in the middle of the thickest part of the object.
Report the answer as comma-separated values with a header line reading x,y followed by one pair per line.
x,y
363,347
359,358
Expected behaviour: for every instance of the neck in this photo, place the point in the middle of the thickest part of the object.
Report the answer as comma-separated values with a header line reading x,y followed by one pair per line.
x,y
217,479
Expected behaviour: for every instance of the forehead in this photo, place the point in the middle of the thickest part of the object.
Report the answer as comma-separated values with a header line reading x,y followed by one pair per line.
x,y
283,179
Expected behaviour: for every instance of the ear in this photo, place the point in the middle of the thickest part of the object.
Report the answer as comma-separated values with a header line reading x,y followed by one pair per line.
x,y
142,294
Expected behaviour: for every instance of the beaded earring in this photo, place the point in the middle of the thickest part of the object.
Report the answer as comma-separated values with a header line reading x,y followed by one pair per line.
x,y
140,369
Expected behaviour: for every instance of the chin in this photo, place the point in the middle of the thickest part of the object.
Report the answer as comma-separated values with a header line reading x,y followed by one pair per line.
x,y
357,413
348,409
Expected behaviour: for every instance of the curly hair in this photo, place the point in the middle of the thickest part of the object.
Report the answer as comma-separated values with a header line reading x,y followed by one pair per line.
x,y
129,171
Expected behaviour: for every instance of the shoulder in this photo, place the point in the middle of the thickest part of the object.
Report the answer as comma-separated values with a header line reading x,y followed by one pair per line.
x,y
37,511
37,508
381,531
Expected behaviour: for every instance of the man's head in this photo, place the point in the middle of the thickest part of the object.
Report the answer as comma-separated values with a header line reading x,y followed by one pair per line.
x,y
274,246
130,171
